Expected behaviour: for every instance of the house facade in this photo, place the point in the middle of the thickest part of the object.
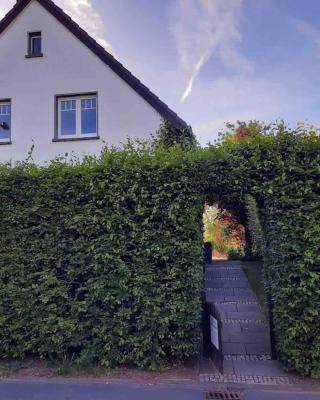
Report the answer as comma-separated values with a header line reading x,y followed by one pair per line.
x,y
62,93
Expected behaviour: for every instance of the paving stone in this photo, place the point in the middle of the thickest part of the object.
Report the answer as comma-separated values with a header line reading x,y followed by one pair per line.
x,y
233,348
225,274
245,315
249,308
262,368
227,284
246,338
213,297
250,337
258,348
228,367
238,298
226,307
256,329
228,328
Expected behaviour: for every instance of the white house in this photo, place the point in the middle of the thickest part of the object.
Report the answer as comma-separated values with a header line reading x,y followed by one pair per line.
x,y
62,92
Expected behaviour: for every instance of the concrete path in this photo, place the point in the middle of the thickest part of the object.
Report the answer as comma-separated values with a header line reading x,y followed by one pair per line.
x,y
245,332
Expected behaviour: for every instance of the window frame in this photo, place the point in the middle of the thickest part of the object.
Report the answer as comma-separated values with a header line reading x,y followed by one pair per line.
x,y
32,35
58,137
7,140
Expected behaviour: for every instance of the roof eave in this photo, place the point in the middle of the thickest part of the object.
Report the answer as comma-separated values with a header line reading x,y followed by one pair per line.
x,y
164,111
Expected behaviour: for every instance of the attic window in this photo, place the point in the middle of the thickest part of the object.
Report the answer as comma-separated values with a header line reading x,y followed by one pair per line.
x,y
34,44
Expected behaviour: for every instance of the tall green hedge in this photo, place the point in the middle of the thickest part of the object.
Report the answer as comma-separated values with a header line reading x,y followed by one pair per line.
x,y
292,259
101,261
281,169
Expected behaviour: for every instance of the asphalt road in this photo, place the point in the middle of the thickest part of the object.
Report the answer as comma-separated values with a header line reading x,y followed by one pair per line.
x,y
268,395
96,391
19,390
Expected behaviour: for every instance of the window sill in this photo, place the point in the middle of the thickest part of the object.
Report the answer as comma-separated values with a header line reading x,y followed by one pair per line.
x,y
34,55
75,139
5,143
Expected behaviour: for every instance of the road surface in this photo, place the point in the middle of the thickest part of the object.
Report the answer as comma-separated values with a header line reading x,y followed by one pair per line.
x,y
64,390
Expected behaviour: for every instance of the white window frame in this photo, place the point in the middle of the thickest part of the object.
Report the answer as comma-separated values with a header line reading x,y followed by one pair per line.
x,y
78,134
31,36
7,103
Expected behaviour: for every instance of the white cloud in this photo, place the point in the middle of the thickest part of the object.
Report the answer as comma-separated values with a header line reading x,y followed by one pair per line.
x,y
204,28
243,98
308,30
81,11
5,7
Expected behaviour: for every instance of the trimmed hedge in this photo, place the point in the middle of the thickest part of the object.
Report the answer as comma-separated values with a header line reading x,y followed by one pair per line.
x,y
101,261
292,259
282,171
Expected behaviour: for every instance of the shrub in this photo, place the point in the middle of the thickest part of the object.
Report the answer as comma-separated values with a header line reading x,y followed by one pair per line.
x,y
168,136
101,261
281,169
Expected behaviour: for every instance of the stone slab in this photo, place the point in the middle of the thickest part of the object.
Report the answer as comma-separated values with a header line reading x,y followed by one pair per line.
x,y
258,348
264,368
249,308
233,348
220,283
245,315
226,307
231,328
246,338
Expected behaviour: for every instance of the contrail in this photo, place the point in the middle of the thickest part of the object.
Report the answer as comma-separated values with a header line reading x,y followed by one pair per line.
x,y
194,75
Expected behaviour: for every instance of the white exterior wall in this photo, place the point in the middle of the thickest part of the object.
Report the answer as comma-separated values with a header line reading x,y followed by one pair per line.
x,y
67,67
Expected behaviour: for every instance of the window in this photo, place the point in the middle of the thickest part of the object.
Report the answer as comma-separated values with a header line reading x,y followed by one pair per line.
x,y
5,121
35,44
77,117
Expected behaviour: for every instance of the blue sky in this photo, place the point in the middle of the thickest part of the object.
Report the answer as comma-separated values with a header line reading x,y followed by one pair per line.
x,y
214,61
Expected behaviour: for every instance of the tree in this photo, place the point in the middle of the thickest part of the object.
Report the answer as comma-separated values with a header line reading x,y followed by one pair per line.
x,y
168,135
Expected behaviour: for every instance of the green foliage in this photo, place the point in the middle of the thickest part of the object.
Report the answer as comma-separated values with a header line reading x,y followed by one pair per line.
x,y
101,261
214,231
281,169
222,232
254,226
168,136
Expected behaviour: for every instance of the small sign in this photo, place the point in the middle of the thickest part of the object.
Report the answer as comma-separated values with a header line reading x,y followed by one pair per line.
x,y
214,331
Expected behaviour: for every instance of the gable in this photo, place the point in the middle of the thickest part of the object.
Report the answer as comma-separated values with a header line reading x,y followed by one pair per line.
x,y
100,52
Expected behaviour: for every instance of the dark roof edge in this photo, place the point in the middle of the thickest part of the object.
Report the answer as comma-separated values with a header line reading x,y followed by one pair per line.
x,y
101,53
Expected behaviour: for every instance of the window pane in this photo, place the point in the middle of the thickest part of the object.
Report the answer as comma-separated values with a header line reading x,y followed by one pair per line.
x,y
68,117
88,116
5,117
36,45
88,121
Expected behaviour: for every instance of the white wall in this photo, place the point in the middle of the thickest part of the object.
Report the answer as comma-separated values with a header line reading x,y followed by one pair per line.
x,y
67,67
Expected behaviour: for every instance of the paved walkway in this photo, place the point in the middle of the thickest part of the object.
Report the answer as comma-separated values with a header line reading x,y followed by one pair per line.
x,y
245,330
